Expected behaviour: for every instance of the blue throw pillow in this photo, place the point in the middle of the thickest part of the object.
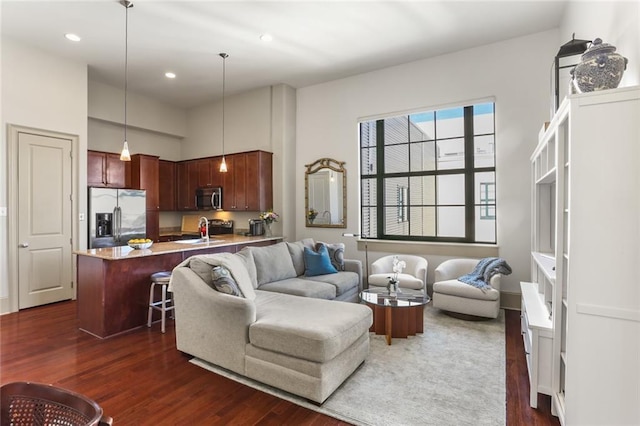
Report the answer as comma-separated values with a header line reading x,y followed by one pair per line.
x,y
318,263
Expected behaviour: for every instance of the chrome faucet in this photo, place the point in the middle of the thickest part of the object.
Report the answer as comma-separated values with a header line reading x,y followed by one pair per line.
x,y
203,226
326,214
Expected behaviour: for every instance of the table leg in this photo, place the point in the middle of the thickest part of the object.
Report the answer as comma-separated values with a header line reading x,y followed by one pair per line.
x,y
388,323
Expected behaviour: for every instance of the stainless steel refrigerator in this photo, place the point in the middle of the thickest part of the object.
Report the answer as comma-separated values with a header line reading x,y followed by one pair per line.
x,y
116,216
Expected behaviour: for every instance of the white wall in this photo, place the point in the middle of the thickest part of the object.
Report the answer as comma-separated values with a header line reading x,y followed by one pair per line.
x,y
515,72
106,103
616,23
43,92
247,125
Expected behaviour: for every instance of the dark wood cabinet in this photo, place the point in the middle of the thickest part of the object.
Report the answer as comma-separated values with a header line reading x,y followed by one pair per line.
x,y
167,185
105,169
143,173
187,182
248,185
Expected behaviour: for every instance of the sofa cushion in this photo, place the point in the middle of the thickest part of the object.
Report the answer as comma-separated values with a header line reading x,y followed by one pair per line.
x,y
312,329
247,257
317,263
343,281
336,254
223,282
460,289
302,287
296,251
233,263
273,263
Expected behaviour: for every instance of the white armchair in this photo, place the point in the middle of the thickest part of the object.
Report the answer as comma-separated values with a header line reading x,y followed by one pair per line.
x,y
413,277
452,295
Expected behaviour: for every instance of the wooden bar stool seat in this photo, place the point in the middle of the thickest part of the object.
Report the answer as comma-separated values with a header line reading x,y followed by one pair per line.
x,y
163,305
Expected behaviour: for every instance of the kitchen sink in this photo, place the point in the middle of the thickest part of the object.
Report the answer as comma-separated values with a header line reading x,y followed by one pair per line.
x,y
197,241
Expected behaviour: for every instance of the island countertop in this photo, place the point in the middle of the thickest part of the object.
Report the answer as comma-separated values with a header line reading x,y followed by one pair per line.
x,y
126,252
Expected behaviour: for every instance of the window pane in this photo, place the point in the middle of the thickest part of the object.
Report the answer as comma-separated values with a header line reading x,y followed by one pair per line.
x,y
396,130
451,221
450,189
485,188
485,228
422,126
368,191
396,158
450,123
393,226
423,221
483,151
368,161
451,154
423,156
369,222
422,190
391,187
483,119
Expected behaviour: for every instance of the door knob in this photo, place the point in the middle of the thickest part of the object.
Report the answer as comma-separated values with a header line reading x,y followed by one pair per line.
x,y
24,245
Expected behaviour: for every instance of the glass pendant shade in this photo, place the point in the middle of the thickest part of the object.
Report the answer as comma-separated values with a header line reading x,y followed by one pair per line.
x,y
124,155
223,166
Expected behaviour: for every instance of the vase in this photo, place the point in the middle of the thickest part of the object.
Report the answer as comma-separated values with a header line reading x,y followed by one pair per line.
x,y
267,229
392,288
601,68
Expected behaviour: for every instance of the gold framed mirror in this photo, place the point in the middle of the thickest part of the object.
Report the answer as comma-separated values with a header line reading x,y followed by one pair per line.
x,y
325,194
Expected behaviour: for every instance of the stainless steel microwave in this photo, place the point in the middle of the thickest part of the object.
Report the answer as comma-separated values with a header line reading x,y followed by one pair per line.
x,y
209,198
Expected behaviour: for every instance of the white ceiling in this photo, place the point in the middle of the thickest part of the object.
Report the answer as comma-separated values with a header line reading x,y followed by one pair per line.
x,y
313,41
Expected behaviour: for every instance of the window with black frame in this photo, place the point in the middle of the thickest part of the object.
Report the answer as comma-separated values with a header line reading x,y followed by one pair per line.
x,y
430,176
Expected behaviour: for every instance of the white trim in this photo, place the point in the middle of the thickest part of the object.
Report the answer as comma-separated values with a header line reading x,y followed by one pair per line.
x,y
457,104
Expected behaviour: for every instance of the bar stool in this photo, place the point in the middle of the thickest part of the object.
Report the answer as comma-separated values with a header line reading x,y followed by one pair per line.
x,y
163,305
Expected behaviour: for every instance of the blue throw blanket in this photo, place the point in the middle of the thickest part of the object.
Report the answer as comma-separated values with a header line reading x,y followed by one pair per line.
x,y
484,270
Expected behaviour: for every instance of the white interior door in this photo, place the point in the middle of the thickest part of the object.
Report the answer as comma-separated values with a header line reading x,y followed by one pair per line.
x,y
44,220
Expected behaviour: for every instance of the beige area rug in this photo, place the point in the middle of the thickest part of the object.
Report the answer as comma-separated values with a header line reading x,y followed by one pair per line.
x,y
452,374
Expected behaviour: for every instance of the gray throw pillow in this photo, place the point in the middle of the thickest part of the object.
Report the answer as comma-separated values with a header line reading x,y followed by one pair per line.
x,y
296,251
202,269
336,254
222,281
247,258
273,263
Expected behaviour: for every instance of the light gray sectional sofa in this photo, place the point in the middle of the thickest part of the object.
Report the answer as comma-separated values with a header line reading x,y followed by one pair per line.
x,y
272,333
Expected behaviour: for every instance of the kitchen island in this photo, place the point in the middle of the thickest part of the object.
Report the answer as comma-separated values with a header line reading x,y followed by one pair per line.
x,y
114,282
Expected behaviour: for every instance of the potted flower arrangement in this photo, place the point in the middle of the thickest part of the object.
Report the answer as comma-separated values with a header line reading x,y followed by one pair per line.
x,y
311,214
269,217
398,266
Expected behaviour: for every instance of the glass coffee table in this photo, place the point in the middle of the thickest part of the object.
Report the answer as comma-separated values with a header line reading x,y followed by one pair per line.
x,y
396,316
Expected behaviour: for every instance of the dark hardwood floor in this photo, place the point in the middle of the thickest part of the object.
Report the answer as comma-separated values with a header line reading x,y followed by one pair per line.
x,y
139,378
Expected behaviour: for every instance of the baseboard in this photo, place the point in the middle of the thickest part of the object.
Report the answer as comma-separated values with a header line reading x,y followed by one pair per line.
x,y
5,306
509,300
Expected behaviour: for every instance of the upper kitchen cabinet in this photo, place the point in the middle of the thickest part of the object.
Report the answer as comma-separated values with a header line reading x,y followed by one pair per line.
x,y
186,184
167,182
143,173
248,185
209,172
105,169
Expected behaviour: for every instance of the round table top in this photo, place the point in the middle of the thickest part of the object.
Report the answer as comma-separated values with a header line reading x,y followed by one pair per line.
x,y
401,300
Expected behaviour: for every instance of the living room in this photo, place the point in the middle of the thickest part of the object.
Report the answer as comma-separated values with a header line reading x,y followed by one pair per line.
x,y
300,125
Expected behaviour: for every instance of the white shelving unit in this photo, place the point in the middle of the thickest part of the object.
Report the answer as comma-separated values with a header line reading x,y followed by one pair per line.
x,y
585,261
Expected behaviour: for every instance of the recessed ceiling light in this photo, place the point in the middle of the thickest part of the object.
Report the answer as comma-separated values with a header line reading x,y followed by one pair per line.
x,y
169,75
266,37
72,37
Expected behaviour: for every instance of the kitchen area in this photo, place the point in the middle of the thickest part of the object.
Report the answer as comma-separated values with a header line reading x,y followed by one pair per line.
x,y
125,200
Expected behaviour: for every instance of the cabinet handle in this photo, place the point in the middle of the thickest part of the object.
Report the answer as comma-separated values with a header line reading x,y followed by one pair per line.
x,y
526,353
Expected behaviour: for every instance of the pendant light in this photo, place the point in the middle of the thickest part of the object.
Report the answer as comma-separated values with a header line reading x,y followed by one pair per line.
x,y
224,56
124,155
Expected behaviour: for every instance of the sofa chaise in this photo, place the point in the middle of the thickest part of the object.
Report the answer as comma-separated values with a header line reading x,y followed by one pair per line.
x,y
304,345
